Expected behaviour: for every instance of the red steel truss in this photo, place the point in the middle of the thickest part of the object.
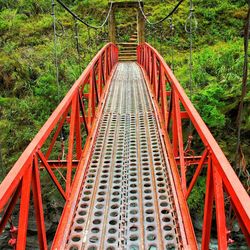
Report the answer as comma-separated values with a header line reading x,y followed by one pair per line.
x,y
173,106
78,110
79,113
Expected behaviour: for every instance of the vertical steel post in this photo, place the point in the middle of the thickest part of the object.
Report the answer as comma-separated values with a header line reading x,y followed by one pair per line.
x,y
163,96
208,207
154,72
78,134
71,145
100,82
174,125
38,205
180,143
220,210
24,210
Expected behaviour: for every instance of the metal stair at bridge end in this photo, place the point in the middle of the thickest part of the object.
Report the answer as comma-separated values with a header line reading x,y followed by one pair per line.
x,y
127,50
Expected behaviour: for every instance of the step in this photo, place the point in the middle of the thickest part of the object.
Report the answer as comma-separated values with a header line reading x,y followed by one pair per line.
x,y
133,39
129,44
127,55
126,52
127,58
134,36
127,48
133,58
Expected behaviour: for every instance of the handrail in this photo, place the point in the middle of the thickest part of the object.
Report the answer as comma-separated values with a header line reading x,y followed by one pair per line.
x,y
25,175
220,174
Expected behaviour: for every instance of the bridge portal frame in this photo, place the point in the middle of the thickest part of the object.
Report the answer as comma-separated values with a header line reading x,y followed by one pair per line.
x,y
140,20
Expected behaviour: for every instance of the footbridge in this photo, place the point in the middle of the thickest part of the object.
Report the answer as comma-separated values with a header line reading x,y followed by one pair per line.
x,y
126,176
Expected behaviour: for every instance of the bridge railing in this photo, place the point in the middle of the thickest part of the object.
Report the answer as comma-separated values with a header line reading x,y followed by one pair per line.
x,y
174,106
75,114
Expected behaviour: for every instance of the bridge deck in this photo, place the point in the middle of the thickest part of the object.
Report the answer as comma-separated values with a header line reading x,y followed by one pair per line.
x,y
126,200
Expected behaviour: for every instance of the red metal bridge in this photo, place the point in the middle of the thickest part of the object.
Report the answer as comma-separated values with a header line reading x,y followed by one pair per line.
x,y
125,186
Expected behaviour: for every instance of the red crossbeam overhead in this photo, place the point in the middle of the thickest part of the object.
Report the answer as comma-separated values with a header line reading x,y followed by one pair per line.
x,y
221,178
81,104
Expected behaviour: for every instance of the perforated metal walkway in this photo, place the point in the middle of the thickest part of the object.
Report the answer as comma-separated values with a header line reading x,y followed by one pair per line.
x,y
127,200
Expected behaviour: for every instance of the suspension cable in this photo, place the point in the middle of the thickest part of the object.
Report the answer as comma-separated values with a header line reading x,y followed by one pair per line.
x,y
77,40
190,27
55,48
163,19
161,38
172,30
89,42
83,21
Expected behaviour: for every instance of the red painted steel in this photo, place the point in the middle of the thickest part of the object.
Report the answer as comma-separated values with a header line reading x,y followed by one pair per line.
x,y
175,181
80,111
24,176
221,177
66,218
